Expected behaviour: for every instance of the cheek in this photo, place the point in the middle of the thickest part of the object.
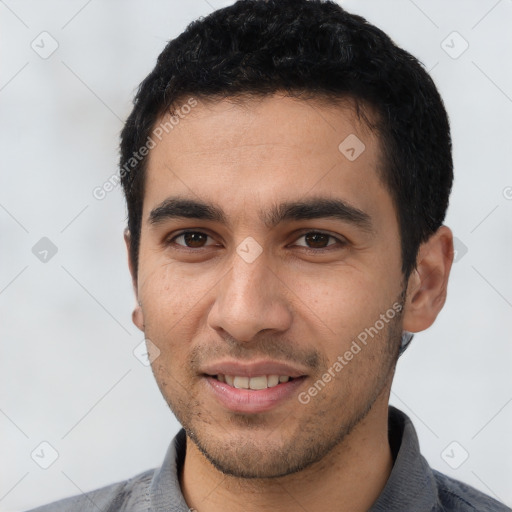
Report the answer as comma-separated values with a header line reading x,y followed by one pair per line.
x,y
344,310
340,299
169,290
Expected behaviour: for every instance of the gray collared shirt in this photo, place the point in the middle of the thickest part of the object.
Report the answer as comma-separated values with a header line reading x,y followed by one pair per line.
x,y
412,486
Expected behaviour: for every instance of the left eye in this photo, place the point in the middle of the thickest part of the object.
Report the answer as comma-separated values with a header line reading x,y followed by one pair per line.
x,y
318,239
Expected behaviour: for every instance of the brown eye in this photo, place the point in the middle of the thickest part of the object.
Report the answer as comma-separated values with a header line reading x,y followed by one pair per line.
x,y
318,240
191,239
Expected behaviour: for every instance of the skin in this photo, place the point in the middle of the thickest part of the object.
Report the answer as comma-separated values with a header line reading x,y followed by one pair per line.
x,y
287,305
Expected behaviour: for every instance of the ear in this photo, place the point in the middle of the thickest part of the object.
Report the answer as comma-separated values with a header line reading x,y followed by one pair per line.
x,y
428,282
137,314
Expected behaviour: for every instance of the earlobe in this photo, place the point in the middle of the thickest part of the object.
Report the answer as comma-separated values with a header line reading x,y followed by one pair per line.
x,y
428,283
138,317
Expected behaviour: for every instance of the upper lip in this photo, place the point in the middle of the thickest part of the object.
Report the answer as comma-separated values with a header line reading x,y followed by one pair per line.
x,y
254,369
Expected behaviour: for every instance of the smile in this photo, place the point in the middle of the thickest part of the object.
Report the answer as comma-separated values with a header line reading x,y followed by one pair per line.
x,y
252,395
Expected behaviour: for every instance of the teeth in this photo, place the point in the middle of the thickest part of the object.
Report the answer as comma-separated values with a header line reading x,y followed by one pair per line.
x,y
260,382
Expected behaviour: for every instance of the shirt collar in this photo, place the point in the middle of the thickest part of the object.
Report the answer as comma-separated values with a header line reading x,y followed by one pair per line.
x,y
165,491
410,486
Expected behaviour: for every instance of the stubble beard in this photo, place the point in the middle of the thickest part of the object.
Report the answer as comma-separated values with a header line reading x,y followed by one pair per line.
x,y
245,457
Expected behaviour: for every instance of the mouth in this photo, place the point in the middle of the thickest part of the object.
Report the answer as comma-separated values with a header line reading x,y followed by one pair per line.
x,y
253,395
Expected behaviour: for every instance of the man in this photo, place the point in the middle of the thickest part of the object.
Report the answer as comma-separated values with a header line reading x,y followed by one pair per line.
x,y
287,171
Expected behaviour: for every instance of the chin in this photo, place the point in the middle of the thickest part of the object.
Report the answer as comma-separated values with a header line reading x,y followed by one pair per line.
x,y
249,456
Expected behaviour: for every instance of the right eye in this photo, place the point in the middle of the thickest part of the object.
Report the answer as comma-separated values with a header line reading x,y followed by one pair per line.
x,y
190,239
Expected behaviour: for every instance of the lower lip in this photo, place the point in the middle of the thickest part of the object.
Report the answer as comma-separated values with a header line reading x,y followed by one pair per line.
x,y
253,401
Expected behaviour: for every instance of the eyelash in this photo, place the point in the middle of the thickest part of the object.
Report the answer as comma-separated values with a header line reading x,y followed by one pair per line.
x,y
340,243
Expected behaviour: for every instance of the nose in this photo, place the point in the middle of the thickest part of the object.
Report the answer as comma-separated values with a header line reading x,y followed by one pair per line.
x,y
250,298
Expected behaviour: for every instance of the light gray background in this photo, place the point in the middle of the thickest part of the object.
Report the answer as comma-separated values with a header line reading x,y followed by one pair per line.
x,y
69,376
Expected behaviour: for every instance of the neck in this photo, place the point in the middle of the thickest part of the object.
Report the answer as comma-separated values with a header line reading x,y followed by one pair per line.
x,y
349,478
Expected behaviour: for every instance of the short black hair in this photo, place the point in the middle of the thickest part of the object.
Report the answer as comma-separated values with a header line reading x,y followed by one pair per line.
x,y
305,49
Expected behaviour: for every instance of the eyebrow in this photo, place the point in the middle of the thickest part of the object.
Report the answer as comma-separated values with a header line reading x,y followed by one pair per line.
x,y
313,208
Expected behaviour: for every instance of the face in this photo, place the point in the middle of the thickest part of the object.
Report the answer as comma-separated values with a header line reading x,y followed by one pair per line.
x,y
266,252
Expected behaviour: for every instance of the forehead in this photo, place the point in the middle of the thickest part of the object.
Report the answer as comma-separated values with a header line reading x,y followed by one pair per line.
x,y
264,150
